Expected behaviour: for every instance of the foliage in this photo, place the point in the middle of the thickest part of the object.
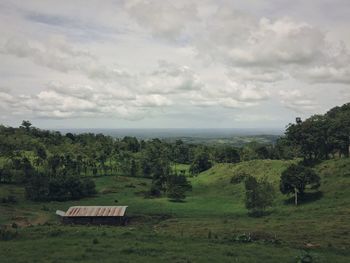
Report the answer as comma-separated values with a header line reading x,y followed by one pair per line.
x,y
7,233
259,194
322,136
227,154
200,163
296,178
177,185
60,188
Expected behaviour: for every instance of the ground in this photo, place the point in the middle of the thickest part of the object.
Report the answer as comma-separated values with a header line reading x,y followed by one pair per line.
x,y
212,224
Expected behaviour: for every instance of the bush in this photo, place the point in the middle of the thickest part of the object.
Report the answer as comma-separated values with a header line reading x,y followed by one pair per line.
x,y
7,234
154,191
10,199
176,193
304,258
243,238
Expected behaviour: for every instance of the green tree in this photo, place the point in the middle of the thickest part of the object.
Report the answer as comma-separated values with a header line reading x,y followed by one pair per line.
x,y
296,179
177,186
133,168
201,163
26,125
155,162
258,195
227,154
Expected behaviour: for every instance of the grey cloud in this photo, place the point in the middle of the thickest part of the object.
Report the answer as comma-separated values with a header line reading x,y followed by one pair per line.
x,y
170,78
214,56
297,101
167,19
61,57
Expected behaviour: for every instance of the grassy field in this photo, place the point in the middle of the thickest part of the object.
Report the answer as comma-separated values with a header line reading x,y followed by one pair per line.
x,y
204,228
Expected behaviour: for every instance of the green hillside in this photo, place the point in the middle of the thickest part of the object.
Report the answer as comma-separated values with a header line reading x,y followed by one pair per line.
x,y
209,221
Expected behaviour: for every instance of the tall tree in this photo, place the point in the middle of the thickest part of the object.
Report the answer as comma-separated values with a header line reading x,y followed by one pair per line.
x,y
26,125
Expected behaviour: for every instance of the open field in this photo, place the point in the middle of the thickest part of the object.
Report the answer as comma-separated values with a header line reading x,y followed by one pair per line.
x,y
204,228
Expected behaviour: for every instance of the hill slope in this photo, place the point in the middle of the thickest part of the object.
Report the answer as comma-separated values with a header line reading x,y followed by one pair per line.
x,y
181,230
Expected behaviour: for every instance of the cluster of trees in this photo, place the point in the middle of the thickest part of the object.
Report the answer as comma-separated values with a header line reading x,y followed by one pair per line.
x,y
42,187
28,153
52,165
321,136
259,193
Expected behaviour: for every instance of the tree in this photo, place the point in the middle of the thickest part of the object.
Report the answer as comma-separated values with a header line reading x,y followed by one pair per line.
x,y
177,186
227,154
201,163
262,152
296,178
181,152
133,168
259,195
37,188
54,162
131,144
155,162
26,125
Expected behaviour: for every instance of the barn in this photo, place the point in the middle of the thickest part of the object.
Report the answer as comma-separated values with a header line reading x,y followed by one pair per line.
x,y
95,215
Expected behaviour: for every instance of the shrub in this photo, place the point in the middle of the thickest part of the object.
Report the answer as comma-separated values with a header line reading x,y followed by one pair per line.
x,y
154,191
7,234
10,199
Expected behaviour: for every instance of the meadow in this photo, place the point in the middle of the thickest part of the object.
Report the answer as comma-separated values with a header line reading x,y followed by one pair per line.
x,y
211,225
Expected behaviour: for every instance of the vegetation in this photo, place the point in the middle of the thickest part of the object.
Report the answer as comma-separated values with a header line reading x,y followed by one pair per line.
x,y
322,136
43,171
297,178
177,185
200,163
259,195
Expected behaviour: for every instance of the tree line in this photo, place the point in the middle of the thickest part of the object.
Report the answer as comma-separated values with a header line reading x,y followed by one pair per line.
x,y
60,160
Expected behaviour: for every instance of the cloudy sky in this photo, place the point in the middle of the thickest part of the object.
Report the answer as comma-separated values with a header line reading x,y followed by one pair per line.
x,y
172,64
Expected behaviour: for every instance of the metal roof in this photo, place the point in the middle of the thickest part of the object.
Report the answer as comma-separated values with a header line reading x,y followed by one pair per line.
x,y
95,211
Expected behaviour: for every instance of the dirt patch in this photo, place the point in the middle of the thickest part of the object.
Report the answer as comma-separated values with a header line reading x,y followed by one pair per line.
x,y
22,221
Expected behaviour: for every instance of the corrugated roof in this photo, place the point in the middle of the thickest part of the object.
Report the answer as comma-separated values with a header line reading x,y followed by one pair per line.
x,y
96,211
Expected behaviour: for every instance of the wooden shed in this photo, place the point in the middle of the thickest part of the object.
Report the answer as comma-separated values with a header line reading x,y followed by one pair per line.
x,y
96,215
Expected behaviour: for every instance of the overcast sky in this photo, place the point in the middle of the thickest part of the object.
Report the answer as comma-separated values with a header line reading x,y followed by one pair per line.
x,y
172,64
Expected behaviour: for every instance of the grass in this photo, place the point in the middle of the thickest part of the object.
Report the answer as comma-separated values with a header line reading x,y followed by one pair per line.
x,y
201,229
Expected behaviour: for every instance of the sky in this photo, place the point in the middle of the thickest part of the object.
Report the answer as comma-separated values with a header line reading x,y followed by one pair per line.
x,y
172,64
